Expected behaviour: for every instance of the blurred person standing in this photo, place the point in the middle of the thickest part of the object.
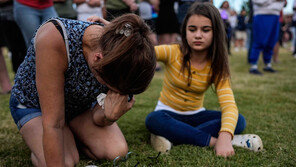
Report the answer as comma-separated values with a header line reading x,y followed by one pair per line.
x,y
279,43
65,9
146,13
240,33
225,14
30,14
184,6
233,22
294,25
249,28
265,32
5,84
115,8
10,34
167,26
87,8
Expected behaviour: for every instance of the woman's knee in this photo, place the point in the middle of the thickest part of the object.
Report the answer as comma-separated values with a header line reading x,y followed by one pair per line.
x,y
120,149
241,124
110,151
38,161
72,160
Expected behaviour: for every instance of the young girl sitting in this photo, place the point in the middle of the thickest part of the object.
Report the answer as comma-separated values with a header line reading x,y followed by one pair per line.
x,y
190,69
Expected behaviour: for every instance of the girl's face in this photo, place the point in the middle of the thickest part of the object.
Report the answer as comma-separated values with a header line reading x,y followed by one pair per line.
x,y
199,33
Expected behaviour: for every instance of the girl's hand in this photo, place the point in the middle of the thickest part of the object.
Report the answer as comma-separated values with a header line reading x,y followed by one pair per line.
x,y
223,145
116,105
97,19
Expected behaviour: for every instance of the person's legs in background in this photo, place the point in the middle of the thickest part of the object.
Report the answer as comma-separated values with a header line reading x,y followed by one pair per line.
x,y
48,13
249,42
15,43
261,36
5,84
272,36
276,49
29,19
182,10
294,52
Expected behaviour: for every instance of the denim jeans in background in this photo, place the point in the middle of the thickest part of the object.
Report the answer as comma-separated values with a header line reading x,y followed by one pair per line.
x,y
182,11
265,34
196,129
29,19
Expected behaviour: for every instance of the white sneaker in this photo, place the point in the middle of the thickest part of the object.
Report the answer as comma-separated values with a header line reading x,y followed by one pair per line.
x,y
250,141
160,144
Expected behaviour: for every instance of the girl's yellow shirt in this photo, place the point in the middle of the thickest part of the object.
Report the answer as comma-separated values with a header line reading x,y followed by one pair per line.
x,y
176,93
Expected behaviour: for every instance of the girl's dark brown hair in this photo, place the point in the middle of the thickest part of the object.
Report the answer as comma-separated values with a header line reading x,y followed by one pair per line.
x,y
217,52
129,61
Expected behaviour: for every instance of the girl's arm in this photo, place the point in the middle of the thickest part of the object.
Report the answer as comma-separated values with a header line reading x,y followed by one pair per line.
x,y
166,53
51,63
229,118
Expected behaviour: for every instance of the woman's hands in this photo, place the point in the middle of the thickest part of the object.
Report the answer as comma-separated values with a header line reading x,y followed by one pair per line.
x,y
223,146
116,105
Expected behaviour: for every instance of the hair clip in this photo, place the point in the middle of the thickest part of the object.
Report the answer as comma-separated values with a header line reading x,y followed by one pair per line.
x,y
126,30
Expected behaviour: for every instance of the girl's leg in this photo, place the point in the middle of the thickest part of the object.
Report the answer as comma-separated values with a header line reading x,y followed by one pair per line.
x,y
174,128
97,142
211,123
194,129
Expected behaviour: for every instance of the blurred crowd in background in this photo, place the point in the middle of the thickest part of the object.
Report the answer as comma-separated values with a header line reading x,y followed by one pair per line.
x,y
19,19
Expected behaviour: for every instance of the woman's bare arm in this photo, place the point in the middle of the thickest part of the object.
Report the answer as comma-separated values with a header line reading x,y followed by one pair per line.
x,y
51,63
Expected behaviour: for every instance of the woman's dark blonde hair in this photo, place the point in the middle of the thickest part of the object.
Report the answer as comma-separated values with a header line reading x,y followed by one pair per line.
x,y
217,52
129,61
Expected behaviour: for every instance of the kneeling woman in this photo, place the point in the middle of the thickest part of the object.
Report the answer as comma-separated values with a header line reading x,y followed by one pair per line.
x,y
67,66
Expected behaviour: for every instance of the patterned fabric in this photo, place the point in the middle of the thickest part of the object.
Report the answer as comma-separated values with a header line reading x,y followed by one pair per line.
x,y
177,95
81,87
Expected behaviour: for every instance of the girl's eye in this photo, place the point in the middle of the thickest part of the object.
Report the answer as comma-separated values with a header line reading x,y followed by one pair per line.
x,y
207,30
191,30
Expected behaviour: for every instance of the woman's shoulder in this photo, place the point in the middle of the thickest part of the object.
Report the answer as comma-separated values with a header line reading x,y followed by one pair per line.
x,y
49,35
49,42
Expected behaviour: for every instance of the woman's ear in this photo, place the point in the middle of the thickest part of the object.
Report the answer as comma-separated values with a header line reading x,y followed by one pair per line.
x,y
98,56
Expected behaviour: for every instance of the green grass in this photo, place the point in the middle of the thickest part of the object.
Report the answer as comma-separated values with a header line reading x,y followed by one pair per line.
x,y
268,103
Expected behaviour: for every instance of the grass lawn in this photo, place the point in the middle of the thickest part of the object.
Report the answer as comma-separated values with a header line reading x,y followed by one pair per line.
x,y
268,103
